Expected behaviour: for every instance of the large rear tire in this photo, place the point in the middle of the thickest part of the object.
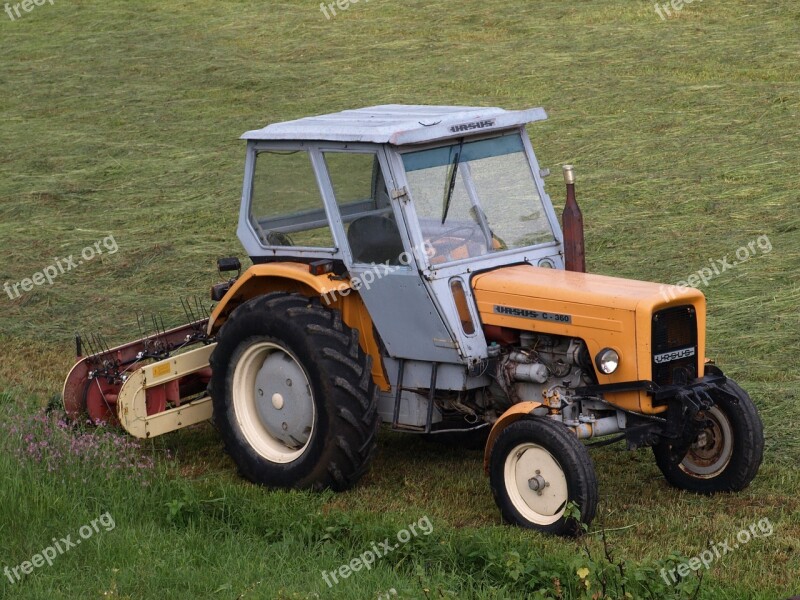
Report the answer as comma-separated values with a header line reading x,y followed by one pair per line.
x,y
727,452
536,468
293,394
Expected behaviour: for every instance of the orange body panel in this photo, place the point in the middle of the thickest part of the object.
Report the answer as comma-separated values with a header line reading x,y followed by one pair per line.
x,y
605,312
295,277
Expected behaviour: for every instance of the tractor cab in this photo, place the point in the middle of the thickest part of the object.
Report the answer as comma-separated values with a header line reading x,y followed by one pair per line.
x,y
411,201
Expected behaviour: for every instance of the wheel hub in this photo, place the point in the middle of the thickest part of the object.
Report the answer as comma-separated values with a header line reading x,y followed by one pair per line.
x,y
708,445
543,496
284,408
712,449
538,483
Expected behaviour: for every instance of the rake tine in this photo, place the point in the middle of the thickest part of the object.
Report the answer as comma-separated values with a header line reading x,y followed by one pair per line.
x,y
139,324
186,309
189,312
89,344
98,343
200,308
101,344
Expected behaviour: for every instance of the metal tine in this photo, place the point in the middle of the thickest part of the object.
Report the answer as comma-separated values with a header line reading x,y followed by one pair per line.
x,y
144,332
102,346
187,309
141,324
201,308
98,350
87,343
91,343
106,347
99,343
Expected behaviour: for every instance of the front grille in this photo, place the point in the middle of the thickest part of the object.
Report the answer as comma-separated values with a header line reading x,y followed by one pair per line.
x,y
674,345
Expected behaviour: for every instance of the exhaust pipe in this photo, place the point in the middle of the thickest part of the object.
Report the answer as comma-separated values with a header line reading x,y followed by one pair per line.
x,y
572,223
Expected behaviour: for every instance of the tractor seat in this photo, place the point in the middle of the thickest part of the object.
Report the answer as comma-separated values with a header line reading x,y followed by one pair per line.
x,y
375,239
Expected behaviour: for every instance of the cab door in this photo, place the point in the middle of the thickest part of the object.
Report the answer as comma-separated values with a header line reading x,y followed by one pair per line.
x,y
383,265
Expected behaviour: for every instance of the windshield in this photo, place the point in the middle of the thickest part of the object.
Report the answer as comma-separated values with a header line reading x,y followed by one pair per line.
x,y
475,198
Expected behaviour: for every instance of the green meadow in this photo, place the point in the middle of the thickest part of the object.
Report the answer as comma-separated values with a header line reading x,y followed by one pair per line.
x,y
122,119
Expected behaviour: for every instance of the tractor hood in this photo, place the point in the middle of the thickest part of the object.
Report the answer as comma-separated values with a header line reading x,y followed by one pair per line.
x,y
520,284
604,312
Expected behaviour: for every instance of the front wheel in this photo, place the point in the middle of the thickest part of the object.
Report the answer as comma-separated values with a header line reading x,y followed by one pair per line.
x,y
536,468
727,452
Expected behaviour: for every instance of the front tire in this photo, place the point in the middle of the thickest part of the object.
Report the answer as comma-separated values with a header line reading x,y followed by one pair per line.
x,y
727,452
293,394
536,468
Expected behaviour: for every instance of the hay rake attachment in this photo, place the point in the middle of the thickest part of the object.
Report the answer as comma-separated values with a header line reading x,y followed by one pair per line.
x,y
150,386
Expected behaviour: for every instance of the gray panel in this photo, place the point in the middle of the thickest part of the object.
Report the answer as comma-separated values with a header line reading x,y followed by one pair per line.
x,y
404,315
448,377
413,409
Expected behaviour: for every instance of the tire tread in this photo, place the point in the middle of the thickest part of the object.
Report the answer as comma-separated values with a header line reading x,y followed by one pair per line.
x,y
344,372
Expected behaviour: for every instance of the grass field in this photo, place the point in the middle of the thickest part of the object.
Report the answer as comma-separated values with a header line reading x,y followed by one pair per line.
x,y
121,119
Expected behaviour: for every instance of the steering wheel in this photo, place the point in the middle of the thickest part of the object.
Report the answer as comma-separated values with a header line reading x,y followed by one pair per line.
x,y
446,249
452,233
272,238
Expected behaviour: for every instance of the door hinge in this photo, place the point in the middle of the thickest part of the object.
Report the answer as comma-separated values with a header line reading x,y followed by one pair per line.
x,y
400,194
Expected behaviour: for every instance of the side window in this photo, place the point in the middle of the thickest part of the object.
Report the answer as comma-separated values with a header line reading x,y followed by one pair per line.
x,y
366,211
286,208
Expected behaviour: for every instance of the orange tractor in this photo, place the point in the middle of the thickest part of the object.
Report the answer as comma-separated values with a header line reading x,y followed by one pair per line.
x,y
409,269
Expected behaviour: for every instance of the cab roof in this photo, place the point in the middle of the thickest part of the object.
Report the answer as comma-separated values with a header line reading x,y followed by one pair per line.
x,y
397,124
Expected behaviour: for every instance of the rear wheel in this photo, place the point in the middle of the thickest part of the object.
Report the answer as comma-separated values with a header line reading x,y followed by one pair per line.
x,y
293,394
727,452
536,468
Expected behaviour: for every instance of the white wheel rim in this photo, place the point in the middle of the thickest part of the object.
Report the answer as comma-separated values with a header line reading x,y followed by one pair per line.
x,y
527,462
712,451
269,383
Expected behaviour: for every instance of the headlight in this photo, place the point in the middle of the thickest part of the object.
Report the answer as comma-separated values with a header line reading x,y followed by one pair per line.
x,y
607,360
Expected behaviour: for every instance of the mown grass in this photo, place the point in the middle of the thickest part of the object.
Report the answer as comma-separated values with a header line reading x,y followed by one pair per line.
x,y
119,118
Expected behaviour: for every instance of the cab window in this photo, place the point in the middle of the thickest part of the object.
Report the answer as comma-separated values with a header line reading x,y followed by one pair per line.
x,y
365,207
286,207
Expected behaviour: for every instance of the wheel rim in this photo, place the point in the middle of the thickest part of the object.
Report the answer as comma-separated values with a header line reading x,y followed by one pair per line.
x,y
536,484
711,452
273,402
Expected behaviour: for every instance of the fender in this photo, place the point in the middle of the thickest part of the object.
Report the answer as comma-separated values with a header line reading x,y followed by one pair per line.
x,y
295,277
273,277
515,413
